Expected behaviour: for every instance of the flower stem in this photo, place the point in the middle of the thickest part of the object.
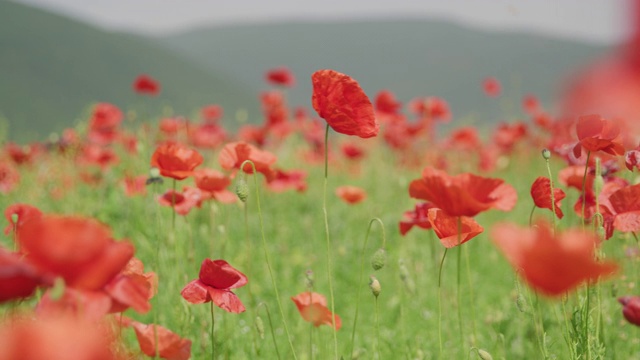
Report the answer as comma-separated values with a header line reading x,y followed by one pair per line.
x,y
458,292
213,339
173,207
273,334
266,256
377,328
531,215
473,309
360,281
328,240
444,255
553,200
584,185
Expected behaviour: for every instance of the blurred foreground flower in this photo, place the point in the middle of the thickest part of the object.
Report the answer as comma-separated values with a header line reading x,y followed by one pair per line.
x,y
313,308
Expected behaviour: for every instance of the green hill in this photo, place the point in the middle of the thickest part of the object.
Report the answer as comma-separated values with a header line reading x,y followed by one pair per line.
x,y
412,58
52,68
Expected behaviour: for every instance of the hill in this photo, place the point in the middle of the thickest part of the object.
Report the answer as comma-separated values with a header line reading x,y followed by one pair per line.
x,y
411,58
52,68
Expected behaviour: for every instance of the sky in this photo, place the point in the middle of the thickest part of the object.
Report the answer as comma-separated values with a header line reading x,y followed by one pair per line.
x,y
600,21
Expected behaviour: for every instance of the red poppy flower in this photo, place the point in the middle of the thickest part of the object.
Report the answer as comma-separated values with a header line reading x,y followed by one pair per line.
x,y
24,213
572,176
339,100
352,151
234,154
632,159
211,113
626,206
83,304
93,154
175,160
21,154
281,180
170,346
132,288
281,76
214,184
313,308
431,107
214,283
447,229
530,104
551,263
9,177
631,308
506,136
135,185
417,217
18,278
145,84
104,123
386,103
55,338
541,194
172,126
491,86
464,138
80,250
595,134
181,203
464,194
351,194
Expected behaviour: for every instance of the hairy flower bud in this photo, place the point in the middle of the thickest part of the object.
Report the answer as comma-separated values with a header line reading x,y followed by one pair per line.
x,y
260,327
374,285
379,259
546,154
242,190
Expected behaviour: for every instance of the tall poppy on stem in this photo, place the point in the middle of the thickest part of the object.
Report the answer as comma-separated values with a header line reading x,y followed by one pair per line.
x,y
542,198
342,103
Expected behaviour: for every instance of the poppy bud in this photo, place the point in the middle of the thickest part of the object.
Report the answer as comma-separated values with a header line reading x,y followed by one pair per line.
x,y
521,303
484,355
242,190
309,278
374,285
379,259
260,327
546,154
601,232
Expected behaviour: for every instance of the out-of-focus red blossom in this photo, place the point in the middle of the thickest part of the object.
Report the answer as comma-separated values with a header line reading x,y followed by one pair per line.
x,y
104,124
214,184
386,103
506,136
530,104
464,194
572,176
207,135
134,186
488,157
416,217
146,85
234,154
552,264
632,159
543,121
352,151
21,154
631,308
18,279
9,177
181,203
175,160
211,113
84,304
448,230
98,155
597,134
281,180
214,283
132,287
464,138
253,134
80,250
313,308
280,76
93,178
24,212
56,338
129,143
491,87
342,103
170,345
432,107
541,194
351,194
170,127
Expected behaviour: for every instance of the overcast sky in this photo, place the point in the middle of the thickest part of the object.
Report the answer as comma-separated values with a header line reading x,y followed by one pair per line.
x,y
591,20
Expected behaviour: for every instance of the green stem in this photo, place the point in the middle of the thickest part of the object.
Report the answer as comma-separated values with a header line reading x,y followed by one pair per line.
x,y
553,200
542,342
173,207
328,240
440,301
377,328
213,342
458,282
584,185
273,334
472,303
266,256
533,209
360,281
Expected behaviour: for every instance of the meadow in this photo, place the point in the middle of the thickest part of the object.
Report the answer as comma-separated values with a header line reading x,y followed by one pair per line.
x,y
288,231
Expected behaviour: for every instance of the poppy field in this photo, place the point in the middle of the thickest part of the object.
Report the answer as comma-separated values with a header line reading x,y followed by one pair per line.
x,y
355,227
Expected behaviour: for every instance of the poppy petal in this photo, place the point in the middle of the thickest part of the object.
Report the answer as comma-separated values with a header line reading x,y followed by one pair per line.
x,y
226,300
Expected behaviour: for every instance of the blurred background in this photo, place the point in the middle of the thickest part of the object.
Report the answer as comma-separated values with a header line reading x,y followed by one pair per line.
x,y
59,57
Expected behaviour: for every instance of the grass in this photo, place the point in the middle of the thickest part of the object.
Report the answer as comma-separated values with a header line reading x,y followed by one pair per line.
x,y
508,317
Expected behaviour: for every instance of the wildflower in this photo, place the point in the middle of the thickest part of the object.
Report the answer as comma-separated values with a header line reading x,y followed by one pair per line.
x,y
313,308
631,308
491,87
340,100
351,194
453,231
280,76
416,217
214,283
146,85
234,154
175,160
597,134
541,194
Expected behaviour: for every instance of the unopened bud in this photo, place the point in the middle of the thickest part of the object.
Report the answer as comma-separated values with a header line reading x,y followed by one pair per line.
x,y
601,232
242,190
379,259
374,285
309,277
260,327
546,154
521,303
154,177
484,355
